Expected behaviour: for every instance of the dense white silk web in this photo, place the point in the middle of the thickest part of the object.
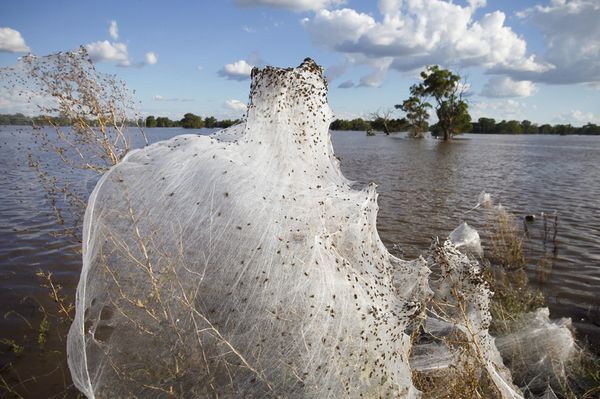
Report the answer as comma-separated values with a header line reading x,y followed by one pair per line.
x,y
245,264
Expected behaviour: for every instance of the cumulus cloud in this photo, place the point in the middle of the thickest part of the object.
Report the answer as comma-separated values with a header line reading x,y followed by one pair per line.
x,y
117,52
500,109
578,118
151,58
113,30
572,35
11,41
106,51
236,106
504,86
239,70
296,5
338,28
415,33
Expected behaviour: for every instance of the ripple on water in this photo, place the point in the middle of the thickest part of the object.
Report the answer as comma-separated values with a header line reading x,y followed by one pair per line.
x,y
425,189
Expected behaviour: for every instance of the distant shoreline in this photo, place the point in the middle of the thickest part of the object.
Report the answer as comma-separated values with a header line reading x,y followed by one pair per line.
x,y
191,121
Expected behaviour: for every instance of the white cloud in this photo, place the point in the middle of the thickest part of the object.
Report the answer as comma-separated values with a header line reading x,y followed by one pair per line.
x,y
572,35
504,86
12,41
296,5
104,50
113,30
248,29
235,105
583,117
18,98
415,33
334,28
107,51
158,97
151,58
199,67
477,3
578,118
239,70
501,109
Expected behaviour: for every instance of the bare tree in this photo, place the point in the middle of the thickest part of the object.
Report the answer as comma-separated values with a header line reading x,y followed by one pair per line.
x,y
382,118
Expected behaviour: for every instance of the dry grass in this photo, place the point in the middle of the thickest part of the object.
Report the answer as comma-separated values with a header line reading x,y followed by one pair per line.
x,y
98,107
514,298
506,272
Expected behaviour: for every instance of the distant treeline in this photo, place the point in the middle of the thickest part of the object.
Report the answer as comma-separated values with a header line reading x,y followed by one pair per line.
x,y
188,121
482,126
490,126
22,120
380,124
45,120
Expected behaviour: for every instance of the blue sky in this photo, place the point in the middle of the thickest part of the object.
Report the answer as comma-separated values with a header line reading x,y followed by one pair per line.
x,y
531,59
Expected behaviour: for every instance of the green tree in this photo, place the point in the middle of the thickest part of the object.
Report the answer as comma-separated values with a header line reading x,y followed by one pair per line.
x,y
416,113
513,127
359,124
590,128
445,88
528,127
210,122
191,121
546,129
487,125
163,121
150,121
225,123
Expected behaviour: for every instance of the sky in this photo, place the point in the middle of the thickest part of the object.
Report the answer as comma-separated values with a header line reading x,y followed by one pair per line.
x,y
529,59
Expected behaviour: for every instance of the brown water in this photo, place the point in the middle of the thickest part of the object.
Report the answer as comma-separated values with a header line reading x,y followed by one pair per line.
x,y
426,188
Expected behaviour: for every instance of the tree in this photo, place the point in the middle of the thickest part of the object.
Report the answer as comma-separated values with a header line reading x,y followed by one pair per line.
x,y
381,119
528,127
487,125
163,121
210,122
546,129
416,114
359,124
445,88
191,121
512,127
150,121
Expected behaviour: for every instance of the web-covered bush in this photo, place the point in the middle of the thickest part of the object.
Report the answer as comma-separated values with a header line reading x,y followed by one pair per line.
x,y
245,265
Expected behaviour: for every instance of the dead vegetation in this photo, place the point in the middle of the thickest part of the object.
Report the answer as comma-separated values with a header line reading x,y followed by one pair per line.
x,y
98,109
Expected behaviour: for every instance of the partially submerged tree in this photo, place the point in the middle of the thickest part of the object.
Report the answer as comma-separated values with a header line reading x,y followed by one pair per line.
x,y
447,92
382,118
416,114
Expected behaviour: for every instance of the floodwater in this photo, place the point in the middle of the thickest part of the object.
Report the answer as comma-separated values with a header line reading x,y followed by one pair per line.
x,y
426,188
